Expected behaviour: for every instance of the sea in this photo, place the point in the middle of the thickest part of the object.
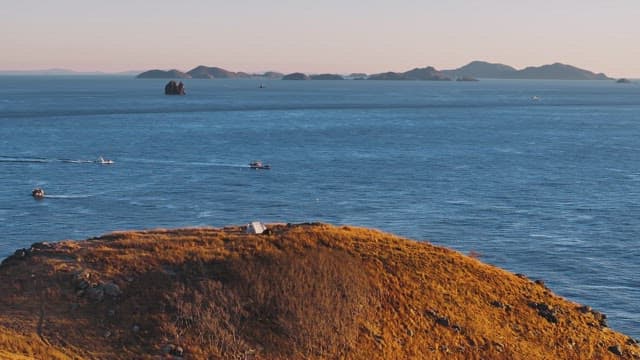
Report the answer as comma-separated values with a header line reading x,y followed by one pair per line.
x,y
537,177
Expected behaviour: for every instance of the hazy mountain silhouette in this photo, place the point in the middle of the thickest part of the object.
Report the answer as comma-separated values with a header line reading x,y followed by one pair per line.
x,y
481,69
162,74
426,73
473,70
205,72
556,71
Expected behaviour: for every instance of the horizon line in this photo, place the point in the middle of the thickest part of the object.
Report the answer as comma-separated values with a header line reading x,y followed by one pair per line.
x,y
72,71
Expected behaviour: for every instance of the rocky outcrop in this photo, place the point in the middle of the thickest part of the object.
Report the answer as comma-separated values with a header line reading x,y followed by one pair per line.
x,y
623,81
173,88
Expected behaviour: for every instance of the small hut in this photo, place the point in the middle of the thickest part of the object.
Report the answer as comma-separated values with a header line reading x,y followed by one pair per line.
x,y
256,227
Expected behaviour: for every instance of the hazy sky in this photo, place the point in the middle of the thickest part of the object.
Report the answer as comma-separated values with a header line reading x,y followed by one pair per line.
x,y
318,36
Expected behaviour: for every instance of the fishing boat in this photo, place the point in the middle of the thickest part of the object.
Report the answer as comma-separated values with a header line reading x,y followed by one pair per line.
x,y
259,165
104,161
37,193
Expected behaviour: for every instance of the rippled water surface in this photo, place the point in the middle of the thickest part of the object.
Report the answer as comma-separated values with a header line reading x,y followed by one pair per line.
x,y
547,187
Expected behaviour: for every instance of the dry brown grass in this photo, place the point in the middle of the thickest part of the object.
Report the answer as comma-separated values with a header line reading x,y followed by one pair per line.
x,y
15,346
308,291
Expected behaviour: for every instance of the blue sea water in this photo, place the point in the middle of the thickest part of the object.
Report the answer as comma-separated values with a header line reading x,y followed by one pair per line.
x,y
548,187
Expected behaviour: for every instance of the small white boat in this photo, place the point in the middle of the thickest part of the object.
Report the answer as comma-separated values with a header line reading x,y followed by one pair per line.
x,y
259,165
104,161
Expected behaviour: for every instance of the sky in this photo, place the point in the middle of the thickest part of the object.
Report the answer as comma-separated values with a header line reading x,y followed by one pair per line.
x,y
318,36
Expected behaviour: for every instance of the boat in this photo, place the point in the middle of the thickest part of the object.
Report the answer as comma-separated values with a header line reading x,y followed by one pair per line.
x,y
37,193
259,165
104,161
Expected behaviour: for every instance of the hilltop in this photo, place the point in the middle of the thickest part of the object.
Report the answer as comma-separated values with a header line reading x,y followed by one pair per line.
x,y
481,69
298,291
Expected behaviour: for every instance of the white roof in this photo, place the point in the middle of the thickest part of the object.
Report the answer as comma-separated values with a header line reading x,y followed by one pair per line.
x,y
256,227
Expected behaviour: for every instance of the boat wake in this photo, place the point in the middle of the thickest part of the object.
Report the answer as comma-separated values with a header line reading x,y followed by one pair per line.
x,y
103,161
68,197
12,159
77,161
174,163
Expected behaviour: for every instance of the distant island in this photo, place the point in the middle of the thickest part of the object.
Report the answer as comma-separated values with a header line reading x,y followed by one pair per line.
x,y
301,76
295,76
205,72
556,71
326,77
161,74
427,73
471,72
466,78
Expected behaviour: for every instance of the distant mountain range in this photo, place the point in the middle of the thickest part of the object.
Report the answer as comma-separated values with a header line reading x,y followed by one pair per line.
x,y
481,69
556,71
427,73
471,71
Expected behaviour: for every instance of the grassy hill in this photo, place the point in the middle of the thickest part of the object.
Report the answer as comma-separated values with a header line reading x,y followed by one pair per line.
x,y
304,291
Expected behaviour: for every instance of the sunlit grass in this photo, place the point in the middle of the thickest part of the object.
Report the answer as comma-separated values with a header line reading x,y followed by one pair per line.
x,y
308,291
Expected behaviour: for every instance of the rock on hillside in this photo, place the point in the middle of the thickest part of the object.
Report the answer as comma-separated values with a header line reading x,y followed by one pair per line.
x,y
297,291
161,74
